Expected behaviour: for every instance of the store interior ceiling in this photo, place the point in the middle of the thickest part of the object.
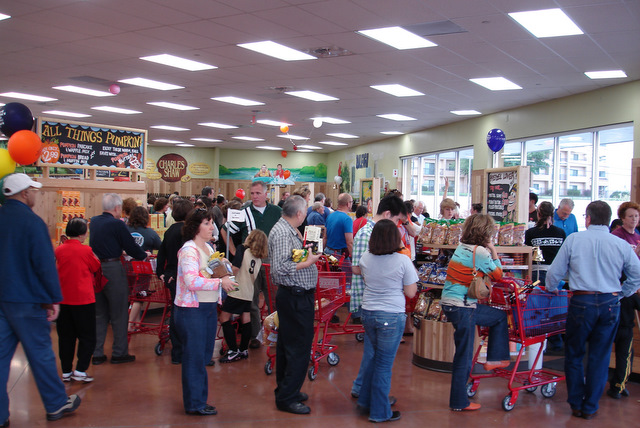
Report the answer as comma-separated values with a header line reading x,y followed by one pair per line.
x,y
96,44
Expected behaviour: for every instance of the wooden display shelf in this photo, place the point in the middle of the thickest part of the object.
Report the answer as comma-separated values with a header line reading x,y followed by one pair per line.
x,y
513,249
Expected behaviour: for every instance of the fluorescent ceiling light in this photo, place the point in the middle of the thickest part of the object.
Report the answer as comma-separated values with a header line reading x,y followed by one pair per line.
x,y
465,112
29,97
611,74
217,125
116,110
496,83
246,138
393,116
185,145
238,101
272,122
269,148
174,106
293,137
152,84
313,96
305,146
3,16
342,135
391,132
66,113
331,120
176,61
397,90
398,38
304,150
207,140
162,140
546,23
84,91
276,50
169,128
333,143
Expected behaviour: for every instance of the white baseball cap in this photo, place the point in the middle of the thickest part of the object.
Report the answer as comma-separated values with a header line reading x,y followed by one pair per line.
x,y
16,183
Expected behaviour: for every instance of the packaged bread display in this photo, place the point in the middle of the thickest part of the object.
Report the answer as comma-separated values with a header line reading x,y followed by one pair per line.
x,y
519,230
505,236
454,232
439,234
426,233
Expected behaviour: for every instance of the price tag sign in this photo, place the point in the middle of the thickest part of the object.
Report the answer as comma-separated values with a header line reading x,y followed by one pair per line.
x,y
236,215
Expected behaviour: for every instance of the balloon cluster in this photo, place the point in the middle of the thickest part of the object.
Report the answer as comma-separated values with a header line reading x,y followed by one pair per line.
x,y
24,145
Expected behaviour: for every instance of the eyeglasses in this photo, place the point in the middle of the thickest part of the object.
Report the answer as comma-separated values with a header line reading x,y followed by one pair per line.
x,y
204,210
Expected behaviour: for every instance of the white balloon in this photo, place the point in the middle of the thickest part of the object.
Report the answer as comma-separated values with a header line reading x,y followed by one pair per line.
x,y
317,123
337,179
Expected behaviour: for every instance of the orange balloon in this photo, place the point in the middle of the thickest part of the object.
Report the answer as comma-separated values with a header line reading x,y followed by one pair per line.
x,y
287,174
24,147
284,128
284,153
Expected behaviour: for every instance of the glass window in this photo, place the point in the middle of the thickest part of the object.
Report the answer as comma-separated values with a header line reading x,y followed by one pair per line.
x,y
464,188
512,154
540,161
428,195
579,149
615,151
429,168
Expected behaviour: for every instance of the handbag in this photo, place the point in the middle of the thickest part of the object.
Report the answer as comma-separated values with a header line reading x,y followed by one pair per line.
x,y
480,287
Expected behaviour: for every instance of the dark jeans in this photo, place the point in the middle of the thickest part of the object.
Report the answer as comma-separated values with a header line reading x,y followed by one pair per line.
x,y
464,322
293,347
112,306
197,329
592,319
27,323
76,322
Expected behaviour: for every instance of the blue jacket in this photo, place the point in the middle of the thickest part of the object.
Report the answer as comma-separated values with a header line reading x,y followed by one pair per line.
x,y
27,262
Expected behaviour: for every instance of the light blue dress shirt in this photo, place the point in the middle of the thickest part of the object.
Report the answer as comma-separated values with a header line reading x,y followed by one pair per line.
x,y
595,260
570,225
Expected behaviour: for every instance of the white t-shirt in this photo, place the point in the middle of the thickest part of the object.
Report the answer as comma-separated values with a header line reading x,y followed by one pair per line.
x,y
384,280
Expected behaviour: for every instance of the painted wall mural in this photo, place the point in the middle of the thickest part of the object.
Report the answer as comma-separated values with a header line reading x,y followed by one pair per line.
x,y
278,175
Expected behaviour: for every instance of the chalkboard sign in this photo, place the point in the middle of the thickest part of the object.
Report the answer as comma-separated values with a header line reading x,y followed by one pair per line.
x,y
84,145
502,195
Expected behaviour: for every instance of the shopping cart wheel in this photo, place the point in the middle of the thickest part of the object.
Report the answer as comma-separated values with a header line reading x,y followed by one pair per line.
x,y
471,390
333,359
159,348
507,406
268,367
531,388
548,390
360,337
313,373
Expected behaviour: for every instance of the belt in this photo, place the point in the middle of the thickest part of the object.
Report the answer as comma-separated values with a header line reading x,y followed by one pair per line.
x,y
115,259
582,293
297,291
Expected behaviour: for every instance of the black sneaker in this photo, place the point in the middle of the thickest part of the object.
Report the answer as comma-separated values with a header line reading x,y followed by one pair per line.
x,y
230,357
99,360
72,404
127,358
395,415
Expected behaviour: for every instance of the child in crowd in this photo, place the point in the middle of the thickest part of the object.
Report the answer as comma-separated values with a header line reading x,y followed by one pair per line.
x,y
77,266
246,265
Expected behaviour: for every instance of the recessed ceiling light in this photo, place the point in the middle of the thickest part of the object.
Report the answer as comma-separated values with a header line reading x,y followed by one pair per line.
x,y
465,112
546,23
391,132
116,110
397,37
169,128
207,140
331,120
342,135
293,137
268,148
66,113
29,97
496,83
238,101
173,106
276,50
84,91
610,74
185,145
397,90
3,16
305,146
152,84
217,125
333,143
393,116
163,140
176,61
272,122
246,138
313,96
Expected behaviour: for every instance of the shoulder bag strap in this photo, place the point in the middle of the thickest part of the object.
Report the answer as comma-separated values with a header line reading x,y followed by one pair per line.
x,y
475,270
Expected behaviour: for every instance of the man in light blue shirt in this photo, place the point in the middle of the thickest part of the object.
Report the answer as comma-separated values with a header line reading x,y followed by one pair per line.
x,y
594,261
563,218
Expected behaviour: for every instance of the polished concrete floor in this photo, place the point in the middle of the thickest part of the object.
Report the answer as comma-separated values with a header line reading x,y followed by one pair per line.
x,y
147,393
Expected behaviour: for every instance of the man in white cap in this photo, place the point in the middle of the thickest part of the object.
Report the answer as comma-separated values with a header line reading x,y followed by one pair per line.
x,y
29,292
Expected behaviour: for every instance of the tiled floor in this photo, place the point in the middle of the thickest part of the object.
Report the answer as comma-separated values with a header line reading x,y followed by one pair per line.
x,y
147,393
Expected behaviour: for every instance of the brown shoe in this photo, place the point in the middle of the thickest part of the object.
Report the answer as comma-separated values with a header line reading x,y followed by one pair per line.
x,y
492,365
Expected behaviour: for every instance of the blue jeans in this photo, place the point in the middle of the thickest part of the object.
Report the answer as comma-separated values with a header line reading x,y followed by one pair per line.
x,y
27,323
383,332
592,319
464,322
197,330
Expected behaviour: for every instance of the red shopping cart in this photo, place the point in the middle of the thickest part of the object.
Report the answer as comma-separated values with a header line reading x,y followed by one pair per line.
x,y
533,315
147,291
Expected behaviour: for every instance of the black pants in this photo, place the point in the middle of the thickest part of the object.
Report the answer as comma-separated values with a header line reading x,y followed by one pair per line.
x,y
176,343
259,285
293,348
624,358
76,322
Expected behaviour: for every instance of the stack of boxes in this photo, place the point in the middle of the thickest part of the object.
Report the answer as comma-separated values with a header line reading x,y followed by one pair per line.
x,y
156,222
68,207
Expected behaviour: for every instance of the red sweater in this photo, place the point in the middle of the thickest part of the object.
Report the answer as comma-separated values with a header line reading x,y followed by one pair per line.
x,y
76,267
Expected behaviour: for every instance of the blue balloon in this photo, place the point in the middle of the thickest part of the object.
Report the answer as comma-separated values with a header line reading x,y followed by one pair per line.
x,y
496,139
15,117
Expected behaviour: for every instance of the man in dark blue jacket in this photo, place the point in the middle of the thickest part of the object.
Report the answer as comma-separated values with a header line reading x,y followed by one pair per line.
x,y
29,296
109,237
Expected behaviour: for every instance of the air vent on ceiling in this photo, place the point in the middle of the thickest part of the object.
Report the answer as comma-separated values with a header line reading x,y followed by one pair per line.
x,y
328,52
436,28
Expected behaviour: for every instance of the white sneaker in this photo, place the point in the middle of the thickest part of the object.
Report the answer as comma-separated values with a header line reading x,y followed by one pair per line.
x,y
66,377
81,376
244,354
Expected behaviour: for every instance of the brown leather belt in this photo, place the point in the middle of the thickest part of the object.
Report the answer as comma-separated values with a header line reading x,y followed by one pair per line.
x,y
581,293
